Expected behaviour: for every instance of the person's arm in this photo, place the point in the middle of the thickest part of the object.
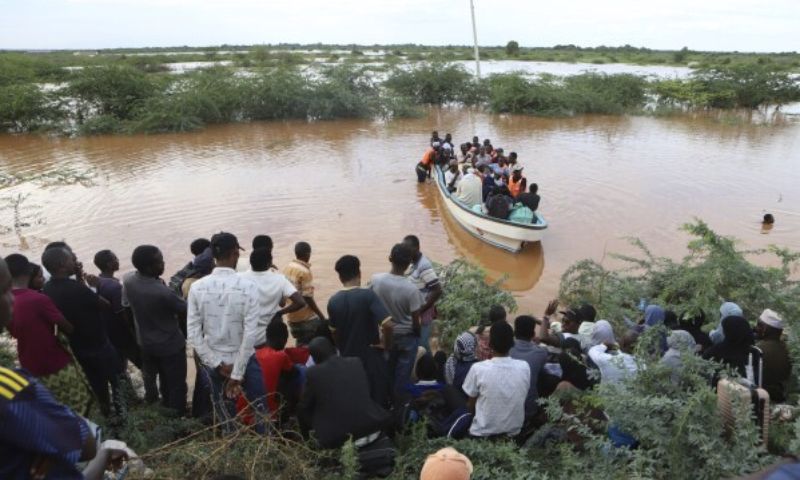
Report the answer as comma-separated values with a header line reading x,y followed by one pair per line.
x,y
54,316
305,409
542,331
194,327
314,308
105,457
251,316
298,302
433,296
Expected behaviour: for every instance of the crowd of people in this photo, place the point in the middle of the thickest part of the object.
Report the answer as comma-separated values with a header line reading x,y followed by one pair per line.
x,y
361,369
482,178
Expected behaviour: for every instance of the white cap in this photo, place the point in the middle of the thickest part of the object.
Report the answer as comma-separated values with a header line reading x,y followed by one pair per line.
x,y
517,168
771,318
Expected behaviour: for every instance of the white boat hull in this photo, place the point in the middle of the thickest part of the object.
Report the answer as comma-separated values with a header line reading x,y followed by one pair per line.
x,y
503,234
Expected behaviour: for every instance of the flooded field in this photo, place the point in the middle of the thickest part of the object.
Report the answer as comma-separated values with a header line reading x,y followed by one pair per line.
x,y
349,187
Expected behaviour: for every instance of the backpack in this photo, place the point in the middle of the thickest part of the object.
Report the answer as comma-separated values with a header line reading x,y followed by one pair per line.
x,y
377,458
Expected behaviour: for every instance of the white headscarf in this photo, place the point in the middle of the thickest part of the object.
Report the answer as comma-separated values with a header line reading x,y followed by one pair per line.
x,y
603,333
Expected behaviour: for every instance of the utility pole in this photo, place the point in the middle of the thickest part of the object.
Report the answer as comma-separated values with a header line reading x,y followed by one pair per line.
x,y
475,40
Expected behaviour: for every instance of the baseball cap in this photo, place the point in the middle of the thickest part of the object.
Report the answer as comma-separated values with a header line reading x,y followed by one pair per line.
x,y
224,242
771,318
517,168
571,314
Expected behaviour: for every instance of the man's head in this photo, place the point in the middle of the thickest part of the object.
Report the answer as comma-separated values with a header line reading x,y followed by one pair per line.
x,y
486,142
524,326
770,324
465,148
106,261
501,338
349,269
516,172
59,261
446,464
482,150
321,349
512,157
534,188
302,251
435,134
476,140
148,261
19,268
570,321
412,244
199,246
454,166
58,244
426,368
277,334
262,241
496,313
225,249
400,257
260,259
6,297
36,281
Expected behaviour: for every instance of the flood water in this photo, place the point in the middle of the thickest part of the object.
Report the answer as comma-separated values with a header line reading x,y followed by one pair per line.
x,y
349,187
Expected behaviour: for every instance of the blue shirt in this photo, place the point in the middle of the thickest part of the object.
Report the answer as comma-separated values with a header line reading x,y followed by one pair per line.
x,y
33,424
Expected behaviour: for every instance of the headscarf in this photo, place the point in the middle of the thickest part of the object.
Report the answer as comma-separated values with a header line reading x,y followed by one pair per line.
x,y
735,347
603,333
465,350
446,464
678,342
653,315
729,309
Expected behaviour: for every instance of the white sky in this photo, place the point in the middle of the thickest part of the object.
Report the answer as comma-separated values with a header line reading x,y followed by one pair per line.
x,y
744,25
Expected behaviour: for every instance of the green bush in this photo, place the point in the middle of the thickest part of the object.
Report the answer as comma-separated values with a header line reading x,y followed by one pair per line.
x,y
344,92
278,94
111,90
102,125
25,107
430,83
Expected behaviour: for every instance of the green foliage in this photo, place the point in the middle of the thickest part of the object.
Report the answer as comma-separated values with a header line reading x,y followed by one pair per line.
x,y
550,95
344,92
111,90
102,125
430,83
466,299
25,107
278,94
512,48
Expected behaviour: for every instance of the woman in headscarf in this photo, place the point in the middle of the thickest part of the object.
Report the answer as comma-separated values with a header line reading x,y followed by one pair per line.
x,y
653,315
613,363
679,342
463,357
727,309
734,349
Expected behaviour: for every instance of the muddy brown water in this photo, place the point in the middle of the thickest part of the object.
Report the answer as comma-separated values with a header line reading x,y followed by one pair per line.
x,y
349,187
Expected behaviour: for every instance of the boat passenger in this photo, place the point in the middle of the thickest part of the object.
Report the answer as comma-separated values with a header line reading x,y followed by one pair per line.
x,y
462,155
499,156
476,142
470,189
530,198
435,138
517,183
452,176
448,141
483,158
499,203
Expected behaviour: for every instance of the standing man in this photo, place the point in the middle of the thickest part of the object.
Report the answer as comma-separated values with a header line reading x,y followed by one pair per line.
x,y
306,321
356,315
83,309
157,312
422,274
120,331
223,328
273,287
517,184
404,302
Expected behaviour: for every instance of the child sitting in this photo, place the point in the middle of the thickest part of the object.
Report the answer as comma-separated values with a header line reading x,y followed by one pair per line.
x,y
275,363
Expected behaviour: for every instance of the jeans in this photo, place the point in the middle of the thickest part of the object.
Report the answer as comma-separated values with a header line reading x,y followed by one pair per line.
x,y
171,370
401,360
254,391
306,330
425,336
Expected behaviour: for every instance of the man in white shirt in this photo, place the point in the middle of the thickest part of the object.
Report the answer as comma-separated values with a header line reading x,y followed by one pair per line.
x,y
452,176
273,287
497,388
470,189
222,324
614,364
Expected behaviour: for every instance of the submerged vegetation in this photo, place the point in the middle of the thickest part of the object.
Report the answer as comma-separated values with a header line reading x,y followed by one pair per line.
x,y
122,92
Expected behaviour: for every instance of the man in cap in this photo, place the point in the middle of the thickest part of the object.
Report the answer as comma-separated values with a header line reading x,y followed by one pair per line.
x,y
777,365
222,325
517,183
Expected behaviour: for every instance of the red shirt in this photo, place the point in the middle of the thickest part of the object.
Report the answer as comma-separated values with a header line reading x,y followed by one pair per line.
x,y
272,363
33,325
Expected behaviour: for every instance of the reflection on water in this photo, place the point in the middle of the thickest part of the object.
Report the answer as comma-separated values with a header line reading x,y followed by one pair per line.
x,y
348,187
519,272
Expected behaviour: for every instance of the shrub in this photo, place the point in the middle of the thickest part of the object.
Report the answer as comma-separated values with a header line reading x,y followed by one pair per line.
x,y
344,92
25,107
101,125
278,94
430,83
111,90
512,48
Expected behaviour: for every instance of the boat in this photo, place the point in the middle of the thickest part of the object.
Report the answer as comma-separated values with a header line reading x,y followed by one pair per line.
x,y
510,236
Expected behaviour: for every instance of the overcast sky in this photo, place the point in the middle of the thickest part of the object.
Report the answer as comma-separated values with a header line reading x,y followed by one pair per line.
x,y
744,25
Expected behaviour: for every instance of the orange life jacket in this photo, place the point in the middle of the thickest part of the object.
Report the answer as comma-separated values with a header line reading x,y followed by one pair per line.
x,y
515,187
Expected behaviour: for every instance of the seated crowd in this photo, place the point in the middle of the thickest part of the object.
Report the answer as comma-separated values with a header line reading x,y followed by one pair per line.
x,y
363,372
482,178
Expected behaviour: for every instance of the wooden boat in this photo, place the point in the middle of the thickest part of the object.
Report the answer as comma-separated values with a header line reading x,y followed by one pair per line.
x,y
510,236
